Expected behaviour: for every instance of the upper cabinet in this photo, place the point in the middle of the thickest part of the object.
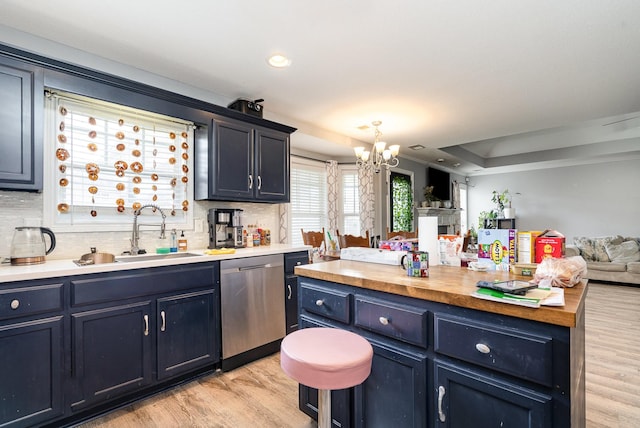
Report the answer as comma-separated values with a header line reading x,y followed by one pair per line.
x,y
240,161
21,125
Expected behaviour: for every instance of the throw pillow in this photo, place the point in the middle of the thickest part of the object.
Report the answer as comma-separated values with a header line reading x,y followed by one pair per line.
x,y
599,246
586,247
625,252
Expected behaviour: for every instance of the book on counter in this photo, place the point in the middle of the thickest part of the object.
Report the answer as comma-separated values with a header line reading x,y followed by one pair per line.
x,y
534,298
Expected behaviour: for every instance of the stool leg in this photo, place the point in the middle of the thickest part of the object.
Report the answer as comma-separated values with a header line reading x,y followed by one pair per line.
x,y
324,408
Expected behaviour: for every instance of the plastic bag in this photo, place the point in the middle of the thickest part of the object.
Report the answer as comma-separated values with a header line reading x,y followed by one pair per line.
x,y
565,272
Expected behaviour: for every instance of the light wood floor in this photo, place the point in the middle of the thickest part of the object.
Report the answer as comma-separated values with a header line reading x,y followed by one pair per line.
x,y
259,395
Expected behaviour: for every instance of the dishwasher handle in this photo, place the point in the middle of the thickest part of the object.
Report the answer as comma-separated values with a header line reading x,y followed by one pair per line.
x,y
265,266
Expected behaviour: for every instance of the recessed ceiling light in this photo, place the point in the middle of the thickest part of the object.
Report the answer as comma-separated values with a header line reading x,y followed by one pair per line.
x,y
440,160
279,61
416,147
457,164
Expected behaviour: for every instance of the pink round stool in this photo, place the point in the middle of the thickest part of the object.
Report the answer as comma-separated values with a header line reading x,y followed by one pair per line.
x,y
326,359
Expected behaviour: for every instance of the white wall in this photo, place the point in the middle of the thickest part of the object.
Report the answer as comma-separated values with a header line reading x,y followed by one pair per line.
x,y
589,200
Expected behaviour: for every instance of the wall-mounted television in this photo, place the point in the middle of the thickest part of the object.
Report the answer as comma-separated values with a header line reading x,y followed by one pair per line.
x,y
441,183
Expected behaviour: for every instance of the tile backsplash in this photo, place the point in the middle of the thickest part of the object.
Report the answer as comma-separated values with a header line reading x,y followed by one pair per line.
x,y
26,209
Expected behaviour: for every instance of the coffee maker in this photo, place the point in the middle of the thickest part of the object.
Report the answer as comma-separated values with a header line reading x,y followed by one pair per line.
x,y
225,228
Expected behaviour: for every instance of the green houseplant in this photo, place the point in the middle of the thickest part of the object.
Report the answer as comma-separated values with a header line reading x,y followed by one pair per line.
x,y
501,199
430,198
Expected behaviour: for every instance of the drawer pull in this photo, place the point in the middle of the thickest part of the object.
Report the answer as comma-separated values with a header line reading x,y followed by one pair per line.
x,y
481,347
441,414
15,303
146,325
383,320
319,302
163,327
288,291
298,263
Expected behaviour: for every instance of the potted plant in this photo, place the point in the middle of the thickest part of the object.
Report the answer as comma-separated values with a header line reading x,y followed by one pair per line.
x,y
501,199
430,198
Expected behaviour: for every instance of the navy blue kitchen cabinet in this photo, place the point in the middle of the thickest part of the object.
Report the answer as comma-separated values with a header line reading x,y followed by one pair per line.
x,y
112,352
138,328
31,353
21,125
291,260
439,365
240,161
186,332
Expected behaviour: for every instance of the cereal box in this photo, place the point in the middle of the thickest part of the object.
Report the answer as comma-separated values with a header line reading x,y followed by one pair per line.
x,y
497,248
526,246
550,244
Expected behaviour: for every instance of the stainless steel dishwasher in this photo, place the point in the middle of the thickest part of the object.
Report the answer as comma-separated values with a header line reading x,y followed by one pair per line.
x,y
252,308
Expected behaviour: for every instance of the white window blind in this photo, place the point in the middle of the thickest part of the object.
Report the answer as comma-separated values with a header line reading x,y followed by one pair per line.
x,y
350,202
109,160
308,197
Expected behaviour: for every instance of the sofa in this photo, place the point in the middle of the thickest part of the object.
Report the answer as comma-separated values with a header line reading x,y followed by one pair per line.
x,y
609,258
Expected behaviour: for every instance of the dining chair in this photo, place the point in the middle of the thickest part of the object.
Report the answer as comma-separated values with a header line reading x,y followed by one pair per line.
x,y
315,239
353,241
404,233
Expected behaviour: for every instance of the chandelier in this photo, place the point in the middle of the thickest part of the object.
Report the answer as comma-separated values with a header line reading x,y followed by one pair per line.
x,y
379,156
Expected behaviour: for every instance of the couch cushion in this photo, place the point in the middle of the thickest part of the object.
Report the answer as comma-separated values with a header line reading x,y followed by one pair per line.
x,y
600,246
633,267
607,266
625,252
585,245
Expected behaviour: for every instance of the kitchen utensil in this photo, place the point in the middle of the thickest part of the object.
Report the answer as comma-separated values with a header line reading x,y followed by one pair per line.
x,y
29,247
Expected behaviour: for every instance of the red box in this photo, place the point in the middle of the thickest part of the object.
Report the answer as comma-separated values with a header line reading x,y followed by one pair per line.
x,y
550,244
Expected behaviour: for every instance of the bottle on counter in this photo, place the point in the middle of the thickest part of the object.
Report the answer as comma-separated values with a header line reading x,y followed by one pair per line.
x,y
249,235
182,242
173,243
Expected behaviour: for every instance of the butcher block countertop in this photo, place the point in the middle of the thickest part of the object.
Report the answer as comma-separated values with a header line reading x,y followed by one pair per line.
x,y
445,284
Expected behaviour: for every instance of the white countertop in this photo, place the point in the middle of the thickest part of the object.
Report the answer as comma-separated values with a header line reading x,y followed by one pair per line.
x,y
56,268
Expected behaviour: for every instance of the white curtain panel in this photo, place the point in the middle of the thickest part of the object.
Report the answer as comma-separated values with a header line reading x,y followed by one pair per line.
x,y
332,195
284,223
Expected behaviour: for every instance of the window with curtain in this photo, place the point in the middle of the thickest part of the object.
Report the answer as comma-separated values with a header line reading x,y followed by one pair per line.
x,y
401,192
350,201
109,160
308,206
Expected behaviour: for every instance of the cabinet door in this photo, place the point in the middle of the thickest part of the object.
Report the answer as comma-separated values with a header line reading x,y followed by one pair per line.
x,y
467,398
395,393
291,302
272,166
31,372
21,123
186,333
111,351
231,160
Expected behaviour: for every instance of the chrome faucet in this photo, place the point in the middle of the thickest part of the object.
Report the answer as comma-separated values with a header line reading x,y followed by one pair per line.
x,y
135,234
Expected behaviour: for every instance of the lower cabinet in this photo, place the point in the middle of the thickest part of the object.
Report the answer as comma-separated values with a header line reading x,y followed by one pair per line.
x,y
395,392
111,352
186,333
31,374
291,260
468,398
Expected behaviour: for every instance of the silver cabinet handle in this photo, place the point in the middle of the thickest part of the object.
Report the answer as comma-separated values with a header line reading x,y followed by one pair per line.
x,y
288,291
259,182
146,325
15,303
319,302
441,414
383,320
163,327
250,181
298,263
481,347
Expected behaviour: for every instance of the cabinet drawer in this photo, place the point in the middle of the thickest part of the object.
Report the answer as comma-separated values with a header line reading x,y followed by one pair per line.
x,y
402,322
18,302
511,351
295,259
323,301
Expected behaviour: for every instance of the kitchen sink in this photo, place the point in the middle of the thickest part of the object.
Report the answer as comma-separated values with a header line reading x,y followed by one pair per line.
x,y
149,257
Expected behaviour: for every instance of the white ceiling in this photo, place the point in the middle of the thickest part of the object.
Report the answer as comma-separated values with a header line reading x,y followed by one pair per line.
x,y
436,73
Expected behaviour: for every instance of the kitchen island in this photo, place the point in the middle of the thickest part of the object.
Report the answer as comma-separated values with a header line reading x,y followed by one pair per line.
x,y
444,358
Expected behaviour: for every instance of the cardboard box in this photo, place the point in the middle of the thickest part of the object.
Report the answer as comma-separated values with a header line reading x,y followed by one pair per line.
x,y
497,248
399,244
550,244
525,269
526,246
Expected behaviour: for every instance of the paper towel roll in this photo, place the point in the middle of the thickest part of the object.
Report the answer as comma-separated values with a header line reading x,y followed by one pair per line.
x,y
428,238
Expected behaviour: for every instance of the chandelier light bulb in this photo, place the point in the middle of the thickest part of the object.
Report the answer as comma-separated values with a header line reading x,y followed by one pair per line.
x,y
395,149
358,151
380,145
386,155
365,155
